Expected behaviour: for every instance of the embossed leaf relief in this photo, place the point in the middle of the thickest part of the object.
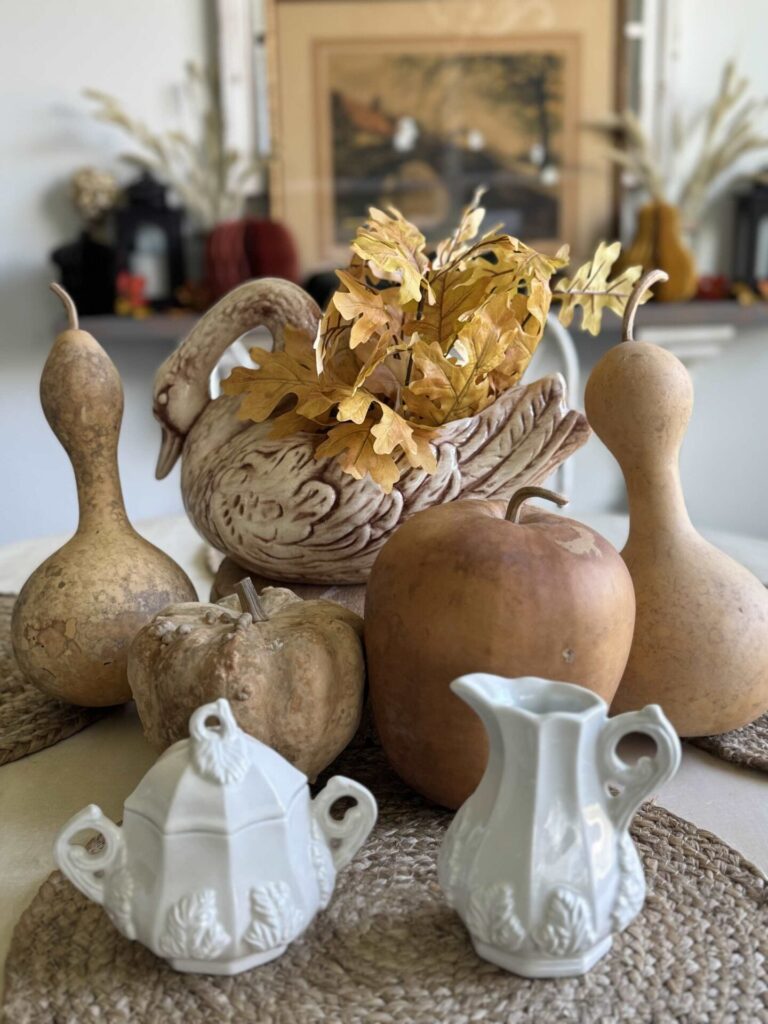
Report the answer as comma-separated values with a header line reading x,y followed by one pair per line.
x,y
118,899
221,758
275,918
192,929
567,926
460,855
631,893
491,917
318,851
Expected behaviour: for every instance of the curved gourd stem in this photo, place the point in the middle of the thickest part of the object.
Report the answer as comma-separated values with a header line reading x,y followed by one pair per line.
x,y
519,498
646,281
69,305
249,600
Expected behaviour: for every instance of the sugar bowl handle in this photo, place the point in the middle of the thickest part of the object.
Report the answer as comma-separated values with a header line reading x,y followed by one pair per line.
x,y
345,835
219,752
636,781
88,871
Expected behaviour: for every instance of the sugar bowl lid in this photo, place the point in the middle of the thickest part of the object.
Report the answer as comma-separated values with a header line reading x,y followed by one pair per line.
x,y
219,780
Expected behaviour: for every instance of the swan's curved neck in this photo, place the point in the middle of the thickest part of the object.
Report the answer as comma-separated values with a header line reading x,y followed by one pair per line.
x,y
268,302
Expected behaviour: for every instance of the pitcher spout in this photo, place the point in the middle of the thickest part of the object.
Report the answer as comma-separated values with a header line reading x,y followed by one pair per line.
x,y
529,695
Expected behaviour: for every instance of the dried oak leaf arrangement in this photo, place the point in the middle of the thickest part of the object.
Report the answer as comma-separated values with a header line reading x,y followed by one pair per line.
x,y
410,341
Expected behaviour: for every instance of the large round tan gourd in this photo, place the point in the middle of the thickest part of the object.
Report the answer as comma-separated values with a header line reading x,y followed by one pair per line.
x,y
292,670
78,612
701,637
458,588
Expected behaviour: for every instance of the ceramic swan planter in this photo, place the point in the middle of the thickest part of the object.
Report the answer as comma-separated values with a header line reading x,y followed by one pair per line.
x,y
538,862
223,859
275,509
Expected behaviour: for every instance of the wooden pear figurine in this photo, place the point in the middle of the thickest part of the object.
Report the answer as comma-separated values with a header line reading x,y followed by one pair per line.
x,y
700,648
78,612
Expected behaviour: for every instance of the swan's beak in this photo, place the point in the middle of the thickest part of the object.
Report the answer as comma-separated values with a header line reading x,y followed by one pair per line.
x,y
170,450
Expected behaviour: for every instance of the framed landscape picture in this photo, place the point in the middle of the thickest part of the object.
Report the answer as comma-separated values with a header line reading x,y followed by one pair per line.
x,y
387,102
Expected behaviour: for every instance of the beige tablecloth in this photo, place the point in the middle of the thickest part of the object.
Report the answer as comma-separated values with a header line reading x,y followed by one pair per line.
x,y
104,763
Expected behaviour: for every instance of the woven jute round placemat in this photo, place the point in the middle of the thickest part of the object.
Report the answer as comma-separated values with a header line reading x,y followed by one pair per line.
x,y
747,746
389,949
29,720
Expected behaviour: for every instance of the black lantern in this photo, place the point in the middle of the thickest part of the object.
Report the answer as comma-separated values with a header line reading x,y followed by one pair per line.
x,y
750,264
87,271
148,240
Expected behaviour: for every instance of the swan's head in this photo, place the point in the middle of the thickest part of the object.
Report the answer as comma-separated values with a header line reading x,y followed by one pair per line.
x,y
179,399
181,384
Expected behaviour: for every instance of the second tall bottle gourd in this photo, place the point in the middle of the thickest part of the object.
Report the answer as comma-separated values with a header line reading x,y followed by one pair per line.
x,y
700,648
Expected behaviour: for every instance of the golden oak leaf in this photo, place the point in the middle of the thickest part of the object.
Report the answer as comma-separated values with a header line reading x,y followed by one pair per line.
x,y
424,457
290,422
454,298
592,288
280,375
443,390
332,332
512,263
386,382
471,218
483,340
296,342
371,358
539,300
392,431
394,249
355,405
364,306
352,445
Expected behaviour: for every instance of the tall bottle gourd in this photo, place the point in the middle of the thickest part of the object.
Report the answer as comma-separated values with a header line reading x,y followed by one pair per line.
x,y
78,612
700,648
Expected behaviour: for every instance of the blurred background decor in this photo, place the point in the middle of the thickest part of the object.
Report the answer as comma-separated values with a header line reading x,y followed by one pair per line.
x,y
707,145
409,112
87,265
750,257
662,59
211,179
148,240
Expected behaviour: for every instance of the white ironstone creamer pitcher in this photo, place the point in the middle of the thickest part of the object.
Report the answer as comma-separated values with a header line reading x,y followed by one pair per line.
x,y
538,862
223,859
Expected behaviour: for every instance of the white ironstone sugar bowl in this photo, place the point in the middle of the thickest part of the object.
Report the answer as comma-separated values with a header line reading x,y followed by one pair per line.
x,y
223,858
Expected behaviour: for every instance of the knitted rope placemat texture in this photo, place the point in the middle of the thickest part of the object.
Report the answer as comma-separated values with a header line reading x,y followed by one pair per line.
x,y
29,720
747,746
389,950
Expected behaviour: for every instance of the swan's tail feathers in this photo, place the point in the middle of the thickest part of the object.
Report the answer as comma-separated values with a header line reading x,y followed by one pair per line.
x,y
520,439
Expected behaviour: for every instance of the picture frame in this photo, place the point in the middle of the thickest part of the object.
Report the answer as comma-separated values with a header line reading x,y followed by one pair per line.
x,y
344,79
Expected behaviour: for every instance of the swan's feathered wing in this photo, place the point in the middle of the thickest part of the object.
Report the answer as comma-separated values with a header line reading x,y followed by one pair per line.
x,y
277,510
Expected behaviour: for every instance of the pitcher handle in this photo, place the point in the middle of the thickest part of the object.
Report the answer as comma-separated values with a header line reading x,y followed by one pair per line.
x,y
637,781
80,866
351,831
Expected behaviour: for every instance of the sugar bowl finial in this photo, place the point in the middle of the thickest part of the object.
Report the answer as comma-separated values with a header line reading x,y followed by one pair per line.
x,y
236,858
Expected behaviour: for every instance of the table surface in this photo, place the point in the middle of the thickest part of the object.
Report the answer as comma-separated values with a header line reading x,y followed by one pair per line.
x,y
104,762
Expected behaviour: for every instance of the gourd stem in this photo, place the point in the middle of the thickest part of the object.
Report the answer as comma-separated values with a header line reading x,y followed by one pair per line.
x,y
522,495
249,600
69,305
642,286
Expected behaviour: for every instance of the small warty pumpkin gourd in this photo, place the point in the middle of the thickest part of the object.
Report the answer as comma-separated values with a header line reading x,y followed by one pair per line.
x,y
292,670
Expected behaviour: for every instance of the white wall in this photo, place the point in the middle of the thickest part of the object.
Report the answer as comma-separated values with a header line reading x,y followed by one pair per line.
x,y
49,51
